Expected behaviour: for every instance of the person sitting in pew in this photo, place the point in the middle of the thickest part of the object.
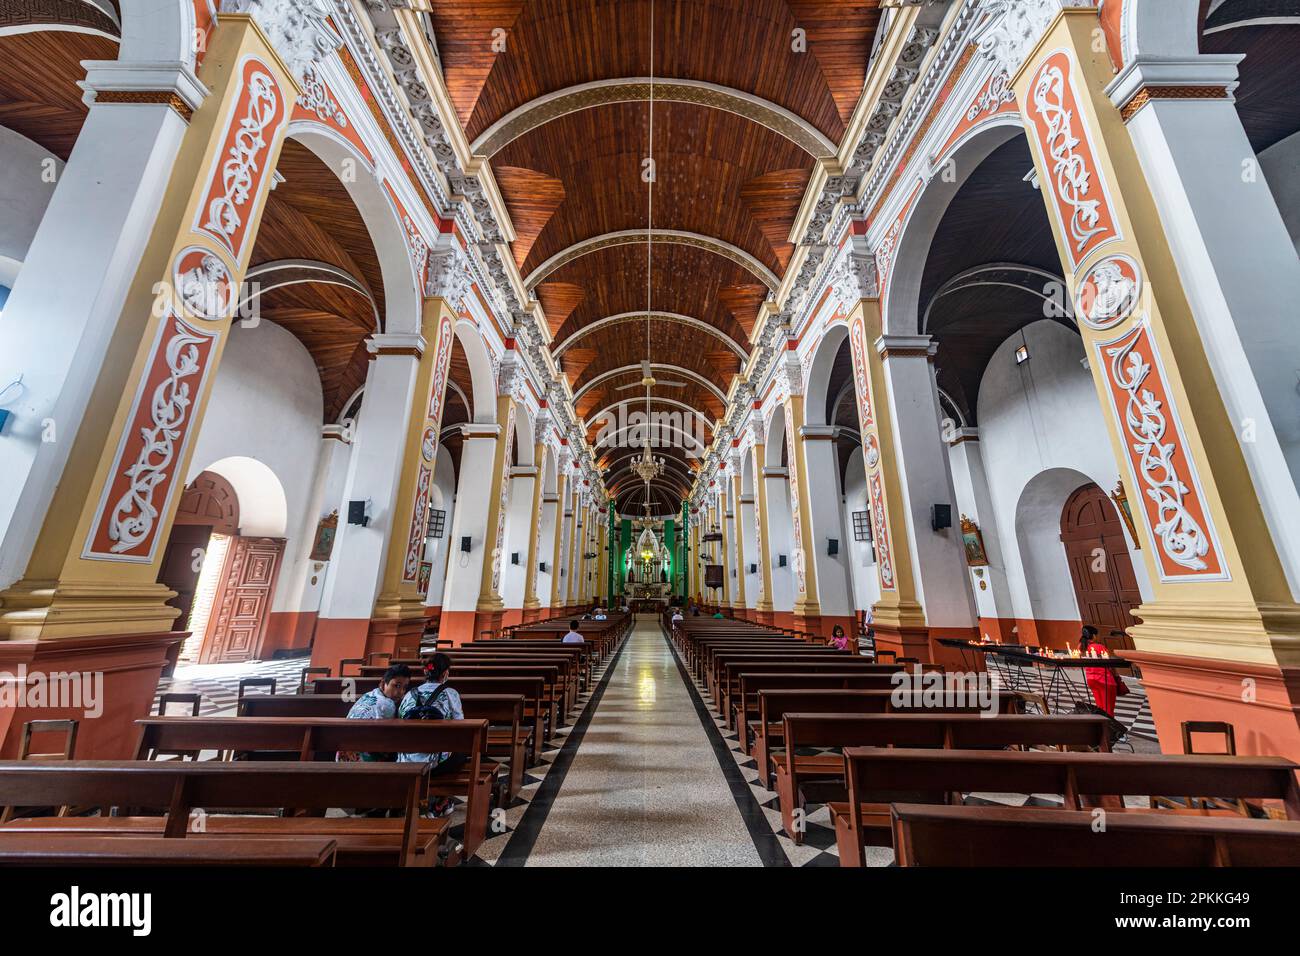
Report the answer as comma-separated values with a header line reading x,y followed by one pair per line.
x,y
717,616
379,704
573,637
677,616
434,700
600,614
838,639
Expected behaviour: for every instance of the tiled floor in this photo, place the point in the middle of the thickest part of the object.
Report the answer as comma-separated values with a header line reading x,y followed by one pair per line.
x,y
646,775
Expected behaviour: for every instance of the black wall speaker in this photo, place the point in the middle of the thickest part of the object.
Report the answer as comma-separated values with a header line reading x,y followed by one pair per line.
x,y
464,543
514,557
357,513
541,566
780,560
940,517
753,569
832,546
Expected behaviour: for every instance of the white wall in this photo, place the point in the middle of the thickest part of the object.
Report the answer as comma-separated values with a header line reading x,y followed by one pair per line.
x,y
1281,166
28,175
1033,418
266,405
862,563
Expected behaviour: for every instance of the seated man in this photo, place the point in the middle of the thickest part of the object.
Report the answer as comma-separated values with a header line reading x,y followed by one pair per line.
x,y
434,700
677,616
573,637
379,704
600,614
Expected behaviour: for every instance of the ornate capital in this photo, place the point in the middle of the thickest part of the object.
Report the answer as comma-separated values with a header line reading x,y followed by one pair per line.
x,y
448,275
1011,28
510,375
855,277
298,29
789,373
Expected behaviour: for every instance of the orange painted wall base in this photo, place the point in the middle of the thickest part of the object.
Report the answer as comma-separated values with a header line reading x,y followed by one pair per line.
x,y
1261,702
118,677
951,657
287,630
457,627
904,642
783,618
764,618
399,637
811,623
338,639
828,622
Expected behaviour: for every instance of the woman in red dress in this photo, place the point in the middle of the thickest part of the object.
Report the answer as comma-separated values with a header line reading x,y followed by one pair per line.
x,y
1104,683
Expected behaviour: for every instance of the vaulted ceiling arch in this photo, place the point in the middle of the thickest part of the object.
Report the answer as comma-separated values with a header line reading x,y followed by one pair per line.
x,y
623,318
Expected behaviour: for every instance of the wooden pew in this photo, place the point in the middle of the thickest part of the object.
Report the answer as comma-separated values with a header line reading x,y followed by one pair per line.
x,y
752,683
320,738
731,669
877,777
508,735
825,771
930,835
773,705
178,787
561,673
538,702
81,850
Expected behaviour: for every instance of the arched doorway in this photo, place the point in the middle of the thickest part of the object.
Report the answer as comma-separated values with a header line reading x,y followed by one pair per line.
x,y
224,581
1100,567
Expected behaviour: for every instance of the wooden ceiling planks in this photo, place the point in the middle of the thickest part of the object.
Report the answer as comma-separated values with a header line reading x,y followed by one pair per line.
x,y
718,174
711,167
39,96
554,44
687,280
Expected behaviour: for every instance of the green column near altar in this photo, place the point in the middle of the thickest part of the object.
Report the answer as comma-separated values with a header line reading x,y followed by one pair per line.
x,y
611,569
670,544
624,545
686,552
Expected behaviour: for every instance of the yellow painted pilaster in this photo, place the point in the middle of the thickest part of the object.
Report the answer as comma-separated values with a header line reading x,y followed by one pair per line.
x,y
531,601
805,560
489,597
95,564
1219,587
557,588
764,603
399,595
739,602
897,614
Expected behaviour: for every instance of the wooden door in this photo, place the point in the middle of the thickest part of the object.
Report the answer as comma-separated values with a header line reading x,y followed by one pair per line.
x,y
181,562
1100,566
243,601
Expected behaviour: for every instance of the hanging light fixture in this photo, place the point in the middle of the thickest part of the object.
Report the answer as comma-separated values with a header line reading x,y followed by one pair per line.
x,y
648,467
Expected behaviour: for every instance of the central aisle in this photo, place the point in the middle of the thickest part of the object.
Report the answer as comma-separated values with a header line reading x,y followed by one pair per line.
x,y
645,787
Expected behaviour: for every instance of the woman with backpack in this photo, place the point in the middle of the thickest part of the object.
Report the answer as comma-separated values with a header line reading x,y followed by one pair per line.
x,y
435,700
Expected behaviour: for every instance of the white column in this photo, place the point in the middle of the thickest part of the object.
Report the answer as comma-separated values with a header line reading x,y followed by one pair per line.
x,y
373,471
438,555
937,557
754,580
296,592
974,501
65,306
834,585
1236,261
546,550
780,534
473,498
518,522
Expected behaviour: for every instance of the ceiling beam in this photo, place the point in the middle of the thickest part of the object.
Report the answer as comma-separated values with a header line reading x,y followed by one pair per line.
x,y
676,369
676,317
639,237
561,103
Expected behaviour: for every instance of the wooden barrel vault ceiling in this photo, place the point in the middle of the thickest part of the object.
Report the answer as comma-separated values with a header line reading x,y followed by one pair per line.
x,y
560,115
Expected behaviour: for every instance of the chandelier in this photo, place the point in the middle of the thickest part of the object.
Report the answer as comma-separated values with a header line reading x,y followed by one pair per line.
x,y
648,467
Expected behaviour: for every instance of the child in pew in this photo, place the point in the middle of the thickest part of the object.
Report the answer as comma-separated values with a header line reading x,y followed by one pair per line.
x,y
379,704
434,700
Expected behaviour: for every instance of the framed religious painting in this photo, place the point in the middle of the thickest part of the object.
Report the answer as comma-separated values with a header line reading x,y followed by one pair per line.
x,y
973,543
422,580
1120,497
323,544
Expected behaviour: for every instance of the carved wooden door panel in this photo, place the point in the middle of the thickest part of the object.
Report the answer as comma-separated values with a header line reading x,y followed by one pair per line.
x,y
243,602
